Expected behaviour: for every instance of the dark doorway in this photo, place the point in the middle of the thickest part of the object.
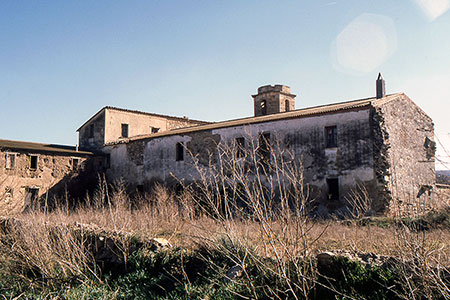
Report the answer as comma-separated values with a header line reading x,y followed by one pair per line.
x,y
333,189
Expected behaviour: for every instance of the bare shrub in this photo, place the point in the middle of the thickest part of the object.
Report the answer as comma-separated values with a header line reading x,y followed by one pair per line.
x,y
359,202
262,184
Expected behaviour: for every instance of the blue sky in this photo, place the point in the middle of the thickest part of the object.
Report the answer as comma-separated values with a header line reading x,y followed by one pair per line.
x,y
61,61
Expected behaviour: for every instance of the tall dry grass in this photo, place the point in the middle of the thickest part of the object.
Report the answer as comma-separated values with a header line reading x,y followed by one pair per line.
x,y
255,201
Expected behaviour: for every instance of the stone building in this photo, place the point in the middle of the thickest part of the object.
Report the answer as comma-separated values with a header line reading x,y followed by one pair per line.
x,y
29,171
384,144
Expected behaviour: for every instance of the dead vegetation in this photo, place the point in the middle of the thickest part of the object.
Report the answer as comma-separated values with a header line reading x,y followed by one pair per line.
x,y
250,210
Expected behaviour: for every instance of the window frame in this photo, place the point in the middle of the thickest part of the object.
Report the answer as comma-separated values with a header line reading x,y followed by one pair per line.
x,y
331,138
31,161
179,151
124,128
75,167
240,147
12,163
263,107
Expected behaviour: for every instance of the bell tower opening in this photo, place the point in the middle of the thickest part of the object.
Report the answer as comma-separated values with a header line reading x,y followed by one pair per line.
x,y
272,99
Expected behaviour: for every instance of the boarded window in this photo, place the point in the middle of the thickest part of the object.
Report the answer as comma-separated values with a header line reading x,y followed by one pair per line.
x,y
33,162
91,131
125,130
179,155
263,107
10,160
333,188
331,137
240,147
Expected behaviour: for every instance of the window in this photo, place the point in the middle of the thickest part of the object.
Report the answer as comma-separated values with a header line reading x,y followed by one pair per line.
x,y
263,107
125,130
91,131
75,163
264,149
179,151
333,188
154,129
240,147
286,105
33,162
10,161
331,137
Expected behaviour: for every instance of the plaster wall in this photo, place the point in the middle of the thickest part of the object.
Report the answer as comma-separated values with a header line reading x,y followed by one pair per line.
x,y
351,162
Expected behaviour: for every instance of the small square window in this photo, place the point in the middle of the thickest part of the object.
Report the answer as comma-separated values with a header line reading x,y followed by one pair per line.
x,y
33,162
154,129
179,155
331,137
125,130
10,161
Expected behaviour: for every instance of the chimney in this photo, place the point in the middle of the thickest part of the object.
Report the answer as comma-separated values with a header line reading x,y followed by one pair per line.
x,y
381,89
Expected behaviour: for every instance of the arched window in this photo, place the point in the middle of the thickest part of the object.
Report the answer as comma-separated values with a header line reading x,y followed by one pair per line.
x,y
286,105
263,107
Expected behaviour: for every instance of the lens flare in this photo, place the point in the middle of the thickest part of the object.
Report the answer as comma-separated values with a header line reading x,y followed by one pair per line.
x,y
364,44
433,8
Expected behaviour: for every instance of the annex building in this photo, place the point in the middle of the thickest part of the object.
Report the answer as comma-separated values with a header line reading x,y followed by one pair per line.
x,y
384,144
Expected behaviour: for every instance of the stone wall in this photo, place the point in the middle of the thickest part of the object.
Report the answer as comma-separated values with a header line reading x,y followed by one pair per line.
x,y
18,183
409,139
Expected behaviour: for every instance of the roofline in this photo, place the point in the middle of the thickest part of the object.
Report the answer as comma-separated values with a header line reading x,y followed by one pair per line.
x,y
41,147
359,104
142,113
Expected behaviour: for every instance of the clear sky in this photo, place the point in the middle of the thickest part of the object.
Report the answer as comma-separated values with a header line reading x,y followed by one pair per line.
x,y
62,61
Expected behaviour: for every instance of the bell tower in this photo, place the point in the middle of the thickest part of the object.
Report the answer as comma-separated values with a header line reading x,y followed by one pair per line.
x,y
272,99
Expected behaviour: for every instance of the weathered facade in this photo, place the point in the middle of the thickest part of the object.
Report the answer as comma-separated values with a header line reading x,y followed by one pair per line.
x,y
384,144
29,171
382,147
111,124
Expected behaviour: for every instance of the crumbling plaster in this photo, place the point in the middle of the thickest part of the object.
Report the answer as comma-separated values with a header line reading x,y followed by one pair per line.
x,y
351,161
51,170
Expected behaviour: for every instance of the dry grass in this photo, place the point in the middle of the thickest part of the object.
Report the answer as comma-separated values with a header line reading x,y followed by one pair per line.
x,y
255,205
47,242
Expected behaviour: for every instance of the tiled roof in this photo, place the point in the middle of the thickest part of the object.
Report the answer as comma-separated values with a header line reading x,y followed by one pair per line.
x,y
38,147
299,113
144,113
